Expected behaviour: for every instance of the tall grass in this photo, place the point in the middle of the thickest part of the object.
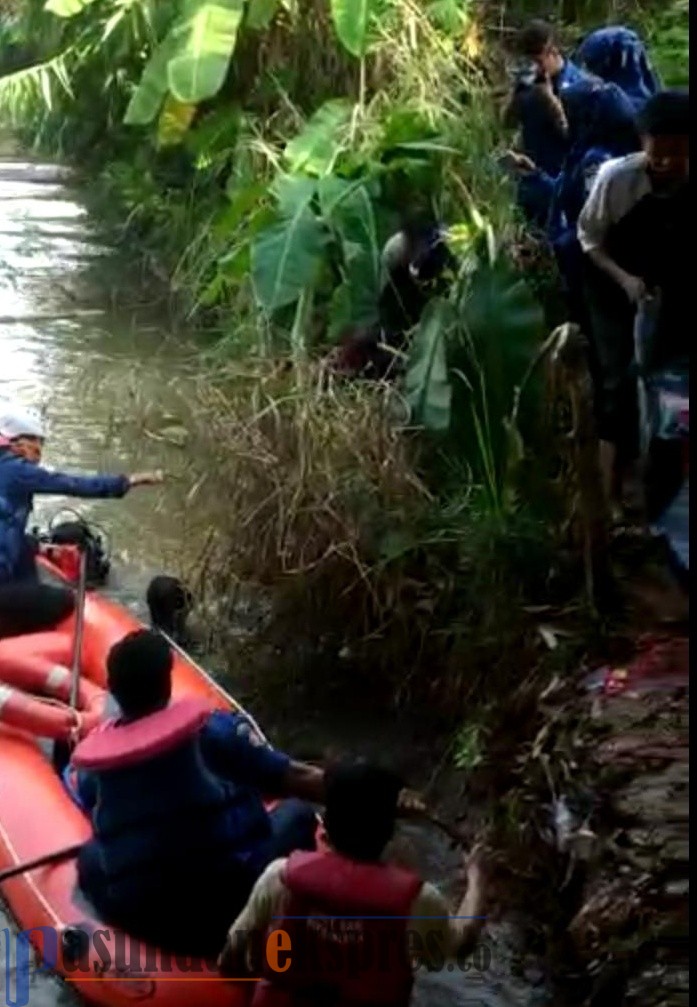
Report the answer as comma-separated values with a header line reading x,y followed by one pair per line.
x,y
316,504
316,495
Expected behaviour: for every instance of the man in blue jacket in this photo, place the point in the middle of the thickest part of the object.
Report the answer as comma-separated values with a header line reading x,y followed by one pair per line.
x,y
181,835
536,100
536,106
26,605
617,55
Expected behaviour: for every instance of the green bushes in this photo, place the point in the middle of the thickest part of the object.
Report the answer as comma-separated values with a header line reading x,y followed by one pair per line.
x,y
669,37
262,151
232,153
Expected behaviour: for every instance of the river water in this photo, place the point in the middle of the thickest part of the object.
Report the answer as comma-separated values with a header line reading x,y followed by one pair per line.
x,y
84,369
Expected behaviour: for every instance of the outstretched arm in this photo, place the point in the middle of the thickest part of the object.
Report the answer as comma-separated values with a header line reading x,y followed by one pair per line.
x,y
467,924
440,936
36,479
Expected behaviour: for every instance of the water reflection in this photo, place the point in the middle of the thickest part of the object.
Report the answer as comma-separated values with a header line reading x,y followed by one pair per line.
x,y
82,371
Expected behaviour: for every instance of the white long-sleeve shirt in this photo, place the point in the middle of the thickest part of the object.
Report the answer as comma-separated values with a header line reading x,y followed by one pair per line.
x,y
619,185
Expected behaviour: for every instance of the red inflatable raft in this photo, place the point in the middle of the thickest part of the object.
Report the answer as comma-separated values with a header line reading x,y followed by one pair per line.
x,y
37,817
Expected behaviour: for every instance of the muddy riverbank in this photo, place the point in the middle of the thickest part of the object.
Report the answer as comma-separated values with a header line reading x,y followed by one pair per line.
x,y
65,347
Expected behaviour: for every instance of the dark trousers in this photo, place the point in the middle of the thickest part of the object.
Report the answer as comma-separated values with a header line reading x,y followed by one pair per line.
x,y
611,317
191,909
28,606
293,824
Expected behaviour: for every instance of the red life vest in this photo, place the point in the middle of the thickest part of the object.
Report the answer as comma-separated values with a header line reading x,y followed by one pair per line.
x,y
120,746
352,959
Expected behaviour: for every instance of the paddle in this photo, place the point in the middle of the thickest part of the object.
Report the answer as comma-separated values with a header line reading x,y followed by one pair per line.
x,y
79,629
48,858
62,749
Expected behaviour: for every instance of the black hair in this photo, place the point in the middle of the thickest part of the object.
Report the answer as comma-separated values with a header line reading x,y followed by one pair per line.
x,y
361,808
169,603
534,37
416,259
666,114
139,673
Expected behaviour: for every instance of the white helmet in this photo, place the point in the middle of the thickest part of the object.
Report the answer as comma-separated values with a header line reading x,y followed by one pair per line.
x,y
17,421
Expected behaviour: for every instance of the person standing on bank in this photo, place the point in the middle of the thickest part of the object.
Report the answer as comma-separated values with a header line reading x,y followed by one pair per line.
x,y
27,605
535,104
633,230
536,108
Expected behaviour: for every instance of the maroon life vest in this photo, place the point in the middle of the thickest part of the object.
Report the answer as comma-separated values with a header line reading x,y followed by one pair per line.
x,y
350,960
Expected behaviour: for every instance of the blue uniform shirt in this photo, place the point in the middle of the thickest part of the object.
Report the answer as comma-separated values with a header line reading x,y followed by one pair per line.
x,y
19,481
254,769
543,142
618,56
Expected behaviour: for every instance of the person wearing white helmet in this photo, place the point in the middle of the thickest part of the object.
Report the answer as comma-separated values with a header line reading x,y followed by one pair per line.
x,y
27,605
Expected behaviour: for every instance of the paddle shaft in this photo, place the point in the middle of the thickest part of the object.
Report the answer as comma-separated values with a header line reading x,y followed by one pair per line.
x,y
48,858
79,630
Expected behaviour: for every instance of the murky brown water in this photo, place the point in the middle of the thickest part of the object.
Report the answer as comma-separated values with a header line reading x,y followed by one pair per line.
x,y
85,371
82,370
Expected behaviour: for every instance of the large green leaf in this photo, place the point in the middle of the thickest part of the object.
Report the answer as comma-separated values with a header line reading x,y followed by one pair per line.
x,y
428,388
286,257
148,97
260,13
66,8
175,119
503,327
205,44
450,16
352,23
349,210
315,149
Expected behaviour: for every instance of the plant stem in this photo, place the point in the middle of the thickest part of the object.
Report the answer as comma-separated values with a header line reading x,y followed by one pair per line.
x,y
361,85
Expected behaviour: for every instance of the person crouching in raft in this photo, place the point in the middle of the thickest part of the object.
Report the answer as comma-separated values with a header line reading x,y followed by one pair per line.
x,y
26,605
175,795
352,922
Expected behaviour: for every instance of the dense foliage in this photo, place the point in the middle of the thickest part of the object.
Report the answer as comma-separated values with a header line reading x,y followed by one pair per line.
x,y
262,151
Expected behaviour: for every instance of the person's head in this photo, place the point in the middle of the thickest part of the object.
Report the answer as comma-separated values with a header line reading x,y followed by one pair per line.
x,y
665,136
538,43
139,673
617,54
360,808
417,253
22,432
169,603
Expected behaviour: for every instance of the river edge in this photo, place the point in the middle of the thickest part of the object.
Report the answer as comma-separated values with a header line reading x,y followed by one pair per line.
x,y
421,750
633,957
55,296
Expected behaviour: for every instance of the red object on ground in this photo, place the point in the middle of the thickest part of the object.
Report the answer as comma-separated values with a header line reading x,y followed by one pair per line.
x,y
661,663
